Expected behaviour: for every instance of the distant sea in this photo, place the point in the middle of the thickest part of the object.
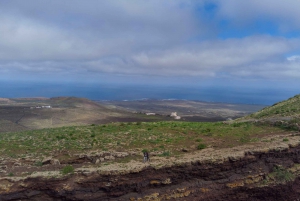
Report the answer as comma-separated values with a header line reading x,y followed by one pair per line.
x,y
136,92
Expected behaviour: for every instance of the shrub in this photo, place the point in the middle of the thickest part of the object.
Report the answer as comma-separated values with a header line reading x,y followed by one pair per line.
x,y
199,140
68,169
201,146
165,153
245,138
38,163
282,175
236,124
207,130
285,140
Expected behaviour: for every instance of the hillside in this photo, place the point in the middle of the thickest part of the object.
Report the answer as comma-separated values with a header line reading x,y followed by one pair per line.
x,y
19,114
33,113
229,160
284,110
189,161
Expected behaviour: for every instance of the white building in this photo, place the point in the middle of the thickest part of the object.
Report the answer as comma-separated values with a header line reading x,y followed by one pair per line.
x,y
175,116
47,106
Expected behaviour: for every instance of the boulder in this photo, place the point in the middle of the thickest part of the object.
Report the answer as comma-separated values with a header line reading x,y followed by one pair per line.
x,y
109,158
3,167
51,161
121,154
55,162
17,164
46,161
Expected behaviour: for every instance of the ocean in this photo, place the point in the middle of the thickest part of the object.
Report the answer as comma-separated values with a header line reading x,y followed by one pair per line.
x,y
127,92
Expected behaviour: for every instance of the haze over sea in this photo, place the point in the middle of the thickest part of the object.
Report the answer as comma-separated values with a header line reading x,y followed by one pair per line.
x,y
102,91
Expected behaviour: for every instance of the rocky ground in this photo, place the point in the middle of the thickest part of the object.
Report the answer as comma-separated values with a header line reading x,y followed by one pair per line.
x,y
264,170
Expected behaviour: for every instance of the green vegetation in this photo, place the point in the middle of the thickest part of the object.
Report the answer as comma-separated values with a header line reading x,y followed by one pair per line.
x,y
68,169
38,163
290,107
158,136
201,146
281,175
165,153
144,150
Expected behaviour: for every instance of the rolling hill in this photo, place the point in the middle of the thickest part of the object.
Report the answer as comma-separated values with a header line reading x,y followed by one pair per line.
x,y
287,109
32,113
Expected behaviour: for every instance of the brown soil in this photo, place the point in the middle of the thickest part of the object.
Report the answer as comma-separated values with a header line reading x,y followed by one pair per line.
x,y
240,173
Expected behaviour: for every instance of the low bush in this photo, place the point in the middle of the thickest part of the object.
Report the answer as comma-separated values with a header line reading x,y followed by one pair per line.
x,y
201,146
199,140
67,169
282,175
165,153
38,163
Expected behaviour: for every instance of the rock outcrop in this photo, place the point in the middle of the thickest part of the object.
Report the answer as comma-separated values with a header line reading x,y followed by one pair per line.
x,y
268,171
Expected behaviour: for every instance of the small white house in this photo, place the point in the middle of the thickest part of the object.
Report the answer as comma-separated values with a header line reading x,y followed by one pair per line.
x,y
47,106
173,114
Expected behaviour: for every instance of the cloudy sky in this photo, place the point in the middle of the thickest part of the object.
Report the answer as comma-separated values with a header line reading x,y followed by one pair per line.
x,y
249,45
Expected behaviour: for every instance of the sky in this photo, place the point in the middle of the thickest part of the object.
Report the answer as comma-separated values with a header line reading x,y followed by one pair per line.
x,y
235,51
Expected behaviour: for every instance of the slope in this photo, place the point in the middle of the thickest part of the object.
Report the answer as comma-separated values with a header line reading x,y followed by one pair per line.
x,y
284,110
28,113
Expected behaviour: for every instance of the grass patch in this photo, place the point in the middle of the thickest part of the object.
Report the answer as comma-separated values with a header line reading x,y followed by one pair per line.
x,y
67,170
281,175
38,163
147,135
165,153
201,146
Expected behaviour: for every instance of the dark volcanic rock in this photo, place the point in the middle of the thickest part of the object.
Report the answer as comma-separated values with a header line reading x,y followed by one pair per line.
x,y
235,179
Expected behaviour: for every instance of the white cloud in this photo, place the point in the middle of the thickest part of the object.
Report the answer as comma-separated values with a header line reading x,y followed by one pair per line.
x,y
59,30
294,58
253,56
141,38
284,13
